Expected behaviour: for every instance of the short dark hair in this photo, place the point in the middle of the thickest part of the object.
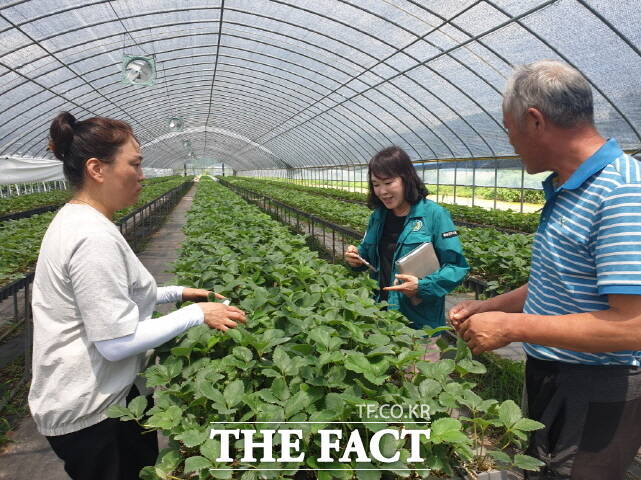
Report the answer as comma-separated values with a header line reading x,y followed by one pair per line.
x,y
75,142
394,162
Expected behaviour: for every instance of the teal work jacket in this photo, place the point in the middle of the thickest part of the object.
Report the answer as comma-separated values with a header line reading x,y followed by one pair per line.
x,y
426,222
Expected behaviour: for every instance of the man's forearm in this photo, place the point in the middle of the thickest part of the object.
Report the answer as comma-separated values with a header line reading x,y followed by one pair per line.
x,y
603,331
510,302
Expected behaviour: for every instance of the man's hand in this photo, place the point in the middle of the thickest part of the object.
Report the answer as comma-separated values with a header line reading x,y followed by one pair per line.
x,y
486,331
409,285
462,311
198,295
352,257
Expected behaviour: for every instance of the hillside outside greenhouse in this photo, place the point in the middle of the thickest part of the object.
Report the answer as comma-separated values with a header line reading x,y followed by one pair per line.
x,y
320,240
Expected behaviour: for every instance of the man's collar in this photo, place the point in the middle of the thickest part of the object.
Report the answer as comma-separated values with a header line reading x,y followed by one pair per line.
x,y
603,157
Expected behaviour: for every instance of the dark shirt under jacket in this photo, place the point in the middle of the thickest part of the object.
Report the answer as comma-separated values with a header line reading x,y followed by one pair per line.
x,y
386,248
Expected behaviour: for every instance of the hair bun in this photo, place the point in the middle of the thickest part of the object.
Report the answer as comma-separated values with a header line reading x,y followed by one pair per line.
x,y
61,134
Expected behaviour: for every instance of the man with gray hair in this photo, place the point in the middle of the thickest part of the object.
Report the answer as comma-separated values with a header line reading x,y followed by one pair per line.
x,y
579,315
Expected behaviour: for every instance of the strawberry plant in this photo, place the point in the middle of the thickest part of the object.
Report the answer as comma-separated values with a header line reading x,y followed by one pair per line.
x,y
315,348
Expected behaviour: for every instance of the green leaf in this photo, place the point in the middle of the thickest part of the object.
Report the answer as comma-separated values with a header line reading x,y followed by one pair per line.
x,y
527,463
430,388
119,411
149,473
500,456
509,413
378,339
335,376
443,425
234,392
192,438
168,461
279,389
448,400
210,449
472,366
137,406
288,366
298,402
208,390
174,366
330,357
375,372
181,351
528,425
197,463
243,353
322,336
453,437
157,375
222,474
268,396
166,419
270,372
471,400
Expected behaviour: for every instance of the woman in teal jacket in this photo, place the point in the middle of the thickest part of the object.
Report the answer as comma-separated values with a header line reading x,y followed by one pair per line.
x,y
403,219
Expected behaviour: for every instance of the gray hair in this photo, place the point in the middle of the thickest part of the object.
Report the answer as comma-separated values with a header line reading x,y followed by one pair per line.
x,y
556,89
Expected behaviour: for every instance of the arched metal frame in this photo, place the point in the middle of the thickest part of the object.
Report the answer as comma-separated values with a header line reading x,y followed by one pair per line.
x,y
306,117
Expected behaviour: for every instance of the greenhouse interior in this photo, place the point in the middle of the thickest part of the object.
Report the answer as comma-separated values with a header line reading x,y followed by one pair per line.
x,y
336,239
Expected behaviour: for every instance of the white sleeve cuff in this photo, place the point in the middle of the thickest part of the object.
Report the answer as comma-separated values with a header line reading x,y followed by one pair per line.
x,y
150,333
170,294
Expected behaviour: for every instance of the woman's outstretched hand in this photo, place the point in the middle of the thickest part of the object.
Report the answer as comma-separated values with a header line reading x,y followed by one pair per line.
x,y
222,317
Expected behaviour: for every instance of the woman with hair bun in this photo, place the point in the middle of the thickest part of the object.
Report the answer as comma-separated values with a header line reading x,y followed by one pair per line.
x,y
403,220
92,306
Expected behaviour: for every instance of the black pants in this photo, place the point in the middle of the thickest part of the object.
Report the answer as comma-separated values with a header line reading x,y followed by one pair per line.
x,y
109,450
592,418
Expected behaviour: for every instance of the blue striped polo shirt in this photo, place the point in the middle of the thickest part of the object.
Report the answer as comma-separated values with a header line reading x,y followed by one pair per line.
x,y
588,245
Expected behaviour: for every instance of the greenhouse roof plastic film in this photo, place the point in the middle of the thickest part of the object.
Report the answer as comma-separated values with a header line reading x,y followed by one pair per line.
x,y
287,84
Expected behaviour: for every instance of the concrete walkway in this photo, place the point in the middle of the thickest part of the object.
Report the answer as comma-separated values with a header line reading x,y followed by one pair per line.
x,y
30,457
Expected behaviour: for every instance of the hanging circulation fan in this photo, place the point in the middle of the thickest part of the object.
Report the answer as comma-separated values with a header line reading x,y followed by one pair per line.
x,y
138,70
175,124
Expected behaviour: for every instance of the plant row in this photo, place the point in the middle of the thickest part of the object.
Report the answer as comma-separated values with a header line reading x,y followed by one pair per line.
x,y
523,222
314,349
20,239
504,194
503,260
21,203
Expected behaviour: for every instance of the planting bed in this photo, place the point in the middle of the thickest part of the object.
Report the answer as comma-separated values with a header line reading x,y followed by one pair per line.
x,y
315,347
